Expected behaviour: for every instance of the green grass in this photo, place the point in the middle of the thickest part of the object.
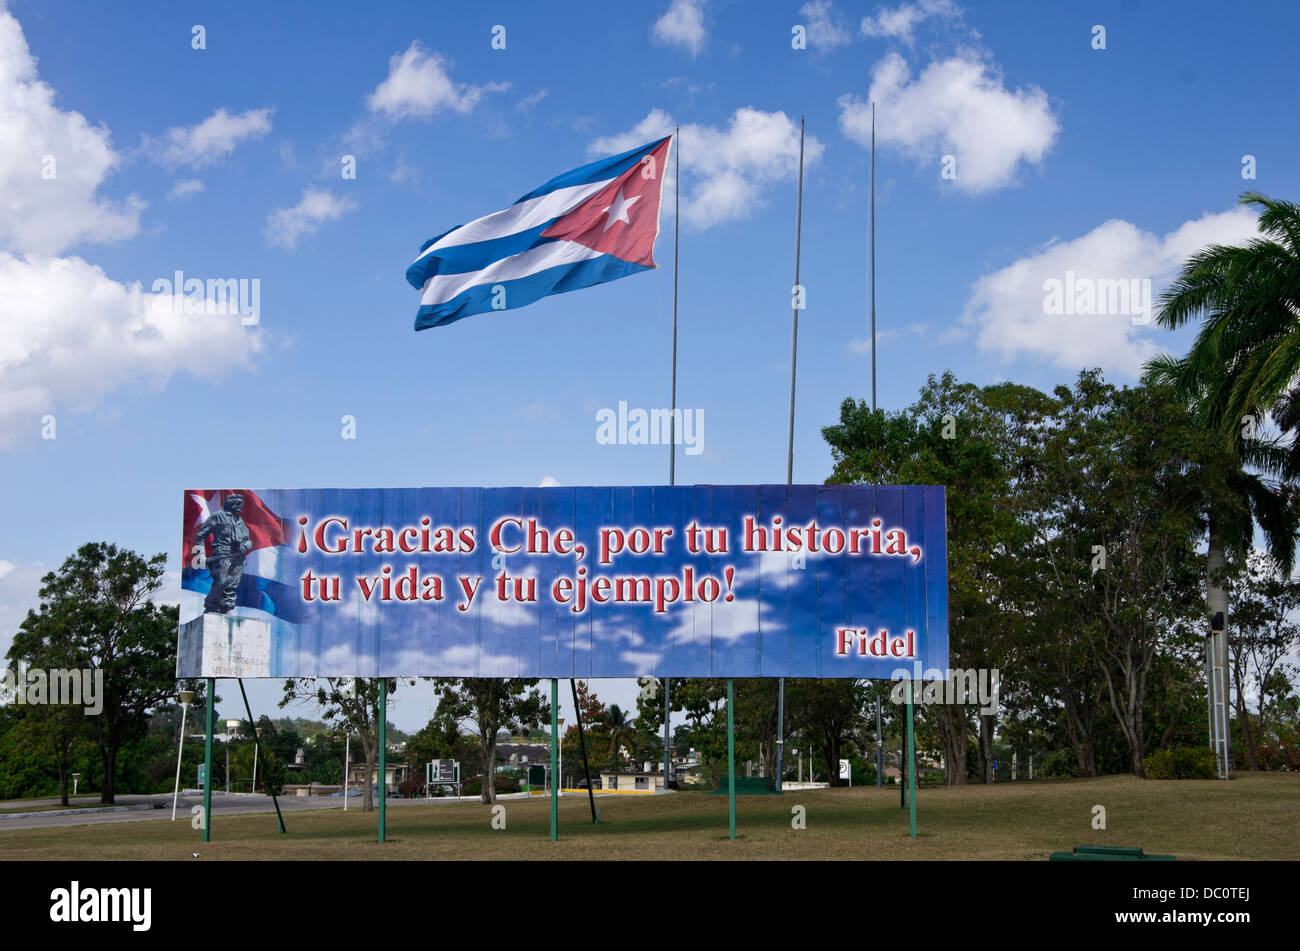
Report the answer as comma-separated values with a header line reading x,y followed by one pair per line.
x,y
1255,816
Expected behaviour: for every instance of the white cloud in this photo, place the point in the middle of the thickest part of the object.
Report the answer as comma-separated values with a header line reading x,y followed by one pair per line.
x,y
1007,314
898,22
51,163
724,169
959,107
419,84
285,226
184,189
211,140
527,103
20,585
826,29
682,25
548,482
862,345
69,335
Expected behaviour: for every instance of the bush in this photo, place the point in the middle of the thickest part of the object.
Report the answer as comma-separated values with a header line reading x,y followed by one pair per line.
x,y
1284,758
1056,764
412,786
1181,762
500,783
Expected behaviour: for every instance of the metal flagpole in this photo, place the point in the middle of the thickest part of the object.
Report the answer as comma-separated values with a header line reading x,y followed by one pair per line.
x,y
871,287
677,218
872,261
347,751
383,759
672,416
796,301
207,768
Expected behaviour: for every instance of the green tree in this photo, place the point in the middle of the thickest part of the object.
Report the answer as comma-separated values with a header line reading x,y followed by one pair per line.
x,y
1120,512
489,706
96,613
621,733
1264,614
1243,364
353,704
974,442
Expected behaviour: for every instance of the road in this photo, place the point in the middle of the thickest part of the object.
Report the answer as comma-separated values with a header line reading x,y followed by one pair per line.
x,y
159,807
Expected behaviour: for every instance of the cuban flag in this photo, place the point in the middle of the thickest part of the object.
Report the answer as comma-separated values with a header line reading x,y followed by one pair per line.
x,y
593,224
258,587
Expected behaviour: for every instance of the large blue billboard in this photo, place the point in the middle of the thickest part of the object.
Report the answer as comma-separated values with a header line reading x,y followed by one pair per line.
x,y
622,581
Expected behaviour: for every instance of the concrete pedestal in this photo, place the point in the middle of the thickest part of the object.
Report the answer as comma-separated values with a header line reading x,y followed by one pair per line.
x,y
219,645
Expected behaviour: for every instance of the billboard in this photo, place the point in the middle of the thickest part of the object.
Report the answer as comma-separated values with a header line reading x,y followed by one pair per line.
x,y
610,581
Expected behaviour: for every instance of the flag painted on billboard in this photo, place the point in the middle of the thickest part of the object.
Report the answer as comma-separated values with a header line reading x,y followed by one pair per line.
x,y
682,581
587,226
256,586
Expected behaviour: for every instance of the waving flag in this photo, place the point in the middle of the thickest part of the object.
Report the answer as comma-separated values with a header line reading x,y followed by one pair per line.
x,y
593,224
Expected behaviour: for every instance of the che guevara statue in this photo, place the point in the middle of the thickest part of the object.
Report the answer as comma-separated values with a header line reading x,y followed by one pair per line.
x,y
230,543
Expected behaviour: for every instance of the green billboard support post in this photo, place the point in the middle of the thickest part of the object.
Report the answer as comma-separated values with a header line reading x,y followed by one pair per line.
x,y
911,758
383,758
731,755
207,766
555,767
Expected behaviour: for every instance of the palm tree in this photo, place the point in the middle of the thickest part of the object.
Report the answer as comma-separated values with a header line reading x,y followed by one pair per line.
x,y
620,729
1246,357
1244,363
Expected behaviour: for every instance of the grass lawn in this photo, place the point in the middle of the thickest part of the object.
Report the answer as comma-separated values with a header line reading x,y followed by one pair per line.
x,y
1254,816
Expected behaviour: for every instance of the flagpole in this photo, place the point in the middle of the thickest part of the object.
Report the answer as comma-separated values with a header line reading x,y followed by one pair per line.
x,y
677,219
872,264
794,339
871,286
672,416
797,295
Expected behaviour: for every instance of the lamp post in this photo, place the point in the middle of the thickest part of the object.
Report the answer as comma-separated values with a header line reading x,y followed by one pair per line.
x,y
231,727
75,777
347,752
186,697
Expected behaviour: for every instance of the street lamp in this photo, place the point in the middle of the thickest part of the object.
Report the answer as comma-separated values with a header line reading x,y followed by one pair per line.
x,y
186,697
231,726
75,777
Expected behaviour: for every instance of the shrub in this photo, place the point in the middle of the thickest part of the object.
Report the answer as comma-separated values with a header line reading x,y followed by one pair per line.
x,y
1055,764
1181,762
500,783
1279,756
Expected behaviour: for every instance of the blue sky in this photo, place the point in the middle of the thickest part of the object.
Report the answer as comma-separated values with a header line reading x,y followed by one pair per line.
x,y
225,162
